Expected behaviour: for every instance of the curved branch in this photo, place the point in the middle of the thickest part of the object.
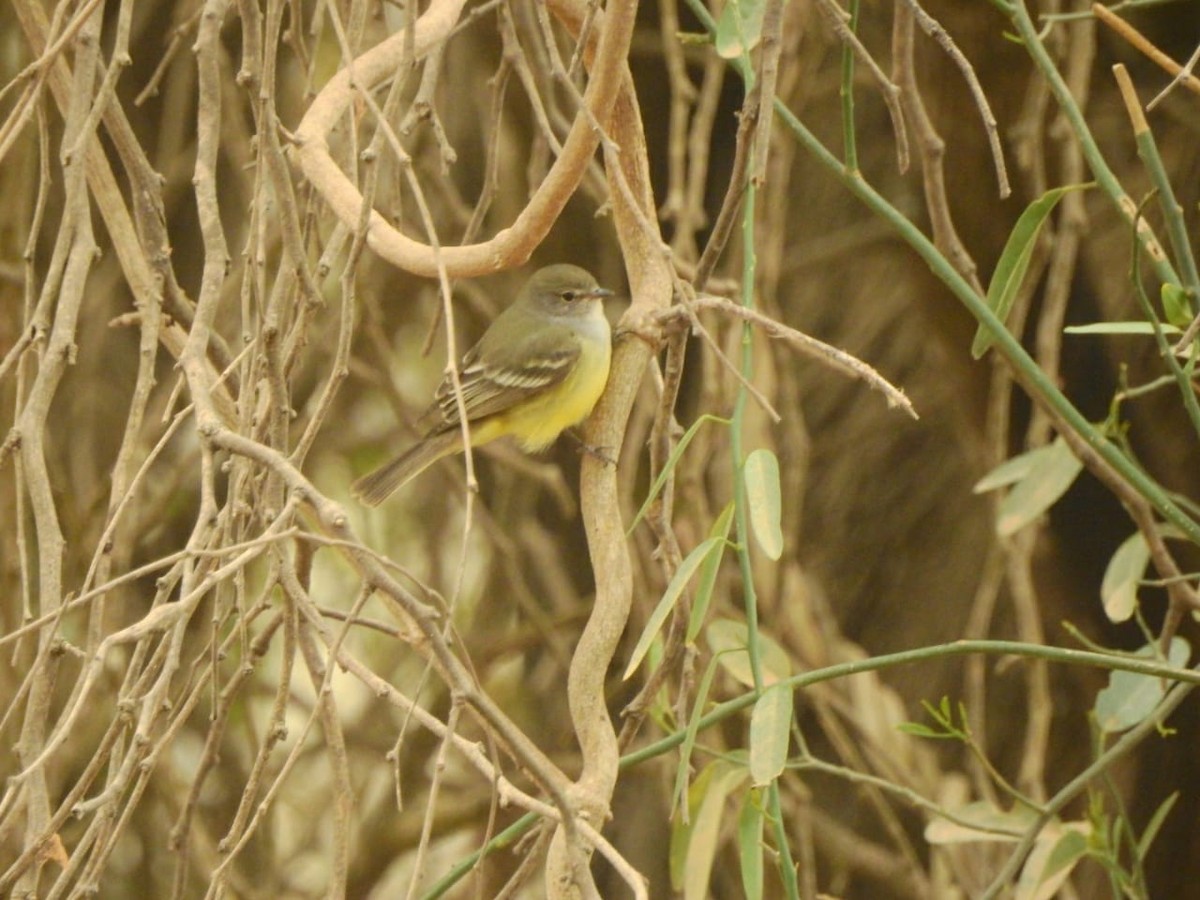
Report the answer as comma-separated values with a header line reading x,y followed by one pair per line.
x,y
610,106
511,246
650,280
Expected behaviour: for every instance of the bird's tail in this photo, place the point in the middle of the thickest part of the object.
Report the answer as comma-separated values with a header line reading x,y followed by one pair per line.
x,y
375,487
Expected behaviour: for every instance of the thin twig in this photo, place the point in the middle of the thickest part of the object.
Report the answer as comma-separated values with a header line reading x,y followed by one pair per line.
x,y
824,353
1140,42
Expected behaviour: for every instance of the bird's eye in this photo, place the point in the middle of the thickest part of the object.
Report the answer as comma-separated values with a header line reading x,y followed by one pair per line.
x,y
568,295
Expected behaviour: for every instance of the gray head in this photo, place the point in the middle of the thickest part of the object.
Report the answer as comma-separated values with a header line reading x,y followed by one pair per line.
x,y
563,290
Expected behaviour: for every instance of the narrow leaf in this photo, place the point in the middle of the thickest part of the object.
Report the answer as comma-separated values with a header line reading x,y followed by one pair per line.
x,y
770,733
750,845
1014,262
1039,489
681,827
1118,590
708,573
1054,855
1012,470
917,729
1155,823
1119,328
705,829
980,821
761,472
670,466
684,768
670,596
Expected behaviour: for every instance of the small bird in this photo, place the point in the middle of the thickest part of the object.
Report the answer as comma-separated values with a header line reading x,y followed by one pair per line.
x,y
538,369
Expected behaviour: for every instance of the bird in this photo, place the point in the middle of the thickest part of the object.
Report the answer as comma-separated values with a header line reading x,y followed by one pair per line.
x,y
538,370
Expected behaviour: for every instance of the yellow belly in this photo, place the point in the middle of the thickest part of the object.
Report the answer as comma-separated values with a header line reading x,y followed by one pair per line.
x,y
537,422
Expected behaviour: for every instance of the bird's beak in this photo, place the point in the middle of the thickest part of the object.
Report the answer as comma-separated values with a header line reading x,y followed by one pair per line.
x,y
599,293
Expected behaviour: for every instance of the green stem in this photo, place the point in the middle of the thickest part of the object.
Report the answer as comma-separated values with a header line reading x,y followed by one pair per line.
x,y
1019,15
1079,783
1172,213
1033,379
1182,376
741,506
1061,655
505,838
849,140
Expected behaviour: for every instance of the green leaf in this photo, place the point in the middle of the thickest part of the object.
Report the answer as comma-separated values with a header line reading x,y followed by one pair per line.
x,y
684,768
681,827
1046,481
708,573
670,597
980,821
1119,328
694,845
1058,848
1014,262
917,729
1155,823
761,473
1122,576
1131,697
750,845
1012,470
943,718
739,27
1175,305
728,641
770,734
670,466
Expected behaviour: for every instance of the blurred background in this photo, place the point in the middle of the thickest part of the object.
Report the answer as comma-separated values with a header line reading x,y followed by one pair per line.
x,y
886,547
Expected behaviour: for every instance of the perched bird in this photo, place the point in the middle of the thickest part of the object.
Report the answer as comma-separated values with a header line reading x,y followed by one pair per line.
x,y
538,369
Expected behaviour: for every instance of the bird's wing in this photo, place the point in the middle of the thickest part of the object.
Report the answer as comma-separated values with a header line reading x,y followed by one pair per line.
x,y
495,378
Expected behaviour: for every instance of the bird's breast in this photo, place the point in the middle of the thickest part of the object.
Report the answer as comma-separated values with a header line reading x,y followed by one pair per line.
x,y
538,421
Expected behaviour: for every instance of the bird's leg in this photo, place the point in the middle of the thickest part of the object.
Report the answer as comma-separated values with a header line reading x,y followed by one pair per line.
x,y
604,454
